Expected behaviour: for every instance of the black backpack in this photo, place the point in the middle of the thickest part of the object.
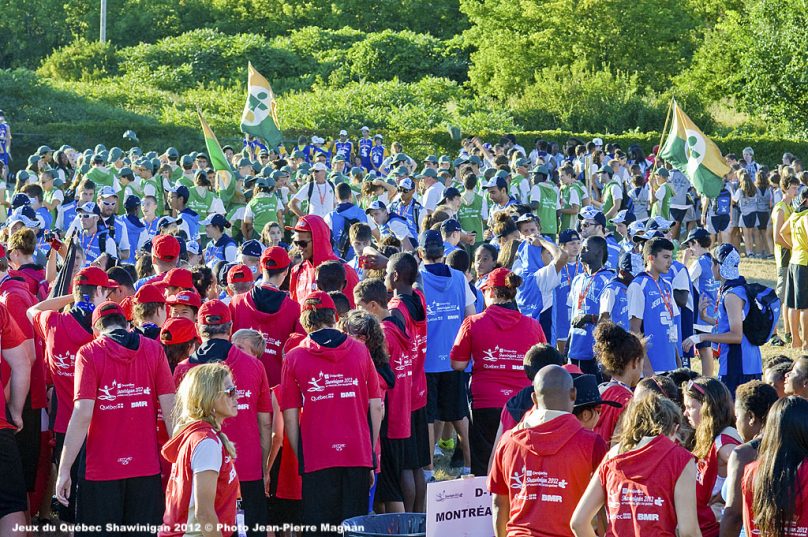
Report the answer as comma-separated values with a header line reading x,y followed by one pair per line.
x,y
764,312
344,243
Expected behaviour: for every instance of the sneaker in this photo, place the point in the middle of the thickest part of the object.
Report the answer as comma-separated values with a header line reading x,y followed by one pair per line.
x,y
438,452
447,445
776,342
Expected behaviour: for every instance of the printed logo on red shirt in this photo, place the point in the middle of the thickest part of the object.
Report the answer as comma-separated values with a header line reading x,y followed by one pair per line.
x,y
111,392
242,394
64,361
524,480
332,380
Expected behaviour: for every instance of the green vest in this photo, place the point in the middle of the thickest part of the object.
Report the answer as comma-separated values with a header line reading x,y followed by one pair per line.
x,y
184,181
570,221
159,194
200,204
608,198
547,211
265,209
663,208
100,178
236,220
514,188
471,216
176,174
47,197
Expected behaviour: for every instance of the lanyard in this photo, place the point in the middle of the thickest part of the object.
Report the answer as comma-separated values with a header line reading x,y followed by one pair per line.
x,y
322,194
86,245
585,291
567,269
665,300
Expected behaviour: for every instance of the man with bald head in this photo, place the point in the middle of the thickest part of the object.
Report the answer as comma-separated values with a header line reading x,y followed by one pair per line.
x,y
542,466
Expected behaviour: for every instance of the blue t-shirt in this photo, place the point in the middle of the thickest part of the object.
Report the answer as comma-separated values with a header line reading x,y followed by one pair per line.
x,y
377,155
584,299
659,315
706,286
618,313
615,250
445,293
338,218
364,152
750,357
528,296
411,213
561,309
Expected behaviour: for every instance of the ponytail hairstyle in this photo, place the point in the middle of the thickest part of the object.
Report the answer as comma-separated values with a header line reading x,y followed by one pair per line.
x,y
662,386
366,328
508,293
616,348
503,225
716,411
783,448
507,253
196,397
652,415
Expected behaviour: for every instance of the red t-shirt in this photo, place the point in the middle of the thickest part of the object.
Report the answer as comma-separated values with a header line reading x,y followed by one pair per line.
x,y
180,450
417,332
800,527
706,478
290,484
252,386
10,336
497,339
609,415
125,385
63,337
639,487
275,327
545,470
333,385
399,400
17,298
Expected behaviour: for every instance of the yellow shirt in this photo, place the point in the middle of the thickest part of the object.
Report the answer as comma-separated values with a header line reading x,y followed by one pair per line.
x,y
799,238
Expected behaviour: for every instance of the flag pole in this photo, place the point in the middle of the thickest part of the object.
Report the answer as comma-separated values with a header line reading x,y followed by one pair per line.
x,y
662,134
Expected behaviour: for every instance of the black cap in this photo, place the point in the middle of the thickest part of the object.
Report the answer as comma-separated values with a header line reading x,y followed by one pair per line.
x,y
587,393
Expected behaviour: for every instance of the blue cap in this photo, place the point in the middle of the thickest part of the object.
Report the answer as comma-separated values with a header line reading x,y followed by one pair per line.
x,y
20,200
430,237
131,201
696,234
252,248
630,262
376,206
450,226
89,207
568,235
497,182
217,220
182,191
166,221
624,217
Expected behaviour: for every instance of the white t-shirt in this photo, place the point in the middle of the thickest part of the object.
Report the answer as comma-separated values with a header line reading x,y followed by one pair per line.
x,y
207,456
636,302
322,198
547,278
432,196
399,229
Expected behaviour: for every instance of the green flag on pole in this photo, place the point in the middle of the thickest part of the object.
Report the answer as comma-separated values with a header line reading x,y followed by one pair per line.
x,y
224,185
260,116
694,154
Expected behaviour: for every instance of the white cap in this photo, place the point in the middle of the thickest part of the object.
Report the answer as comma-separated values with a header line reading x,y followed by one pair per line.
x,y
343,132
363,129
598,142
318,167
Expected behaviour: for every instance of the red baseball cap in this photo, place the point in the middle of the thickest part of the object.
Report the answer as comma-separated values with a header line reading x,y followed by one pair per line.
x,y
319,300
214,312
94,276
105,309
165,247
496,278
302,225
127,305
275,258
573,369
177,330
179,277
185,298
150,293
239,274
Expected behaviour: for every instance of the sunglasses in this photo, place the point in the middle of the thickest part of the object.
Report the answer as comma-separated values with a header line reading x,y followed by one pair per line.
x,y
301,244
231,392
692,386
86,215
108,203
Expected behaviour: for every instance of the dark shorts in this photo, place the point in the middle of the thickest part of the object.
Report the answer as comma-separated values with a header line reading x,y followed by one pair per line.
x,y
763,220
447,396
482,433
68,514
748,221
419,455
797,287
13,496
136,500
254,504
281,510
719,223
703,344
678,215
388,484
28,441
333,495
782,280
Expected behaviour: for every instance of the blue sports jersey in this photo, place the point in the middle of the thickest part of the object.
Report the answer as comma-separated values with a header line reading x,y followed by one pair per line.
x,y
528,296
619,310
561,310
377,155
445,306
344,148
364,152
585,300
748,354
614,252
659,321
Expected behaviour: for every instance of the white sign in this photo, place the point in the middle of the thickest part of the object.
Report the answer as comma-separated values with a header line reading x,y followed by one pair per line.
x,y
460,508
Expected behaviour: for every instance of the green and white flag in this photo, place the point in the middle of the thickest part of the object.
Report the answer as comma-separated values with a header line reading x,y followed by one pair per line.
x,y
225,185
260,116
694,154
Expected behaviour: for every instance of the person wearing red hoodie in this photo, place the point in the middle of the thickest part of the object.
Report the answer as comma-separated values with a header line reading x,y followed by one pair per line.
x,y
269,310
121,378
312,238
203,488
16,296
21,249
543,465
165,254
251,429
332,378
395,434
63,334
497,339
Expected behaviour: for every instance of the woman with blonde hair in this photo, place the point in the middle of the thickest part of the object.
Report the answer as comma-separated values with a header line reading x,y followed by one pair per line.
x,y
745,197
647,481
203,488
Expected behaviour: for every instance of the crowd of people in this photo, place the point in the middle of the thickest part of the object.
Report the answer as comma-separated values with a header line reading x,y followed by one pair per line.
x,y
320,331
